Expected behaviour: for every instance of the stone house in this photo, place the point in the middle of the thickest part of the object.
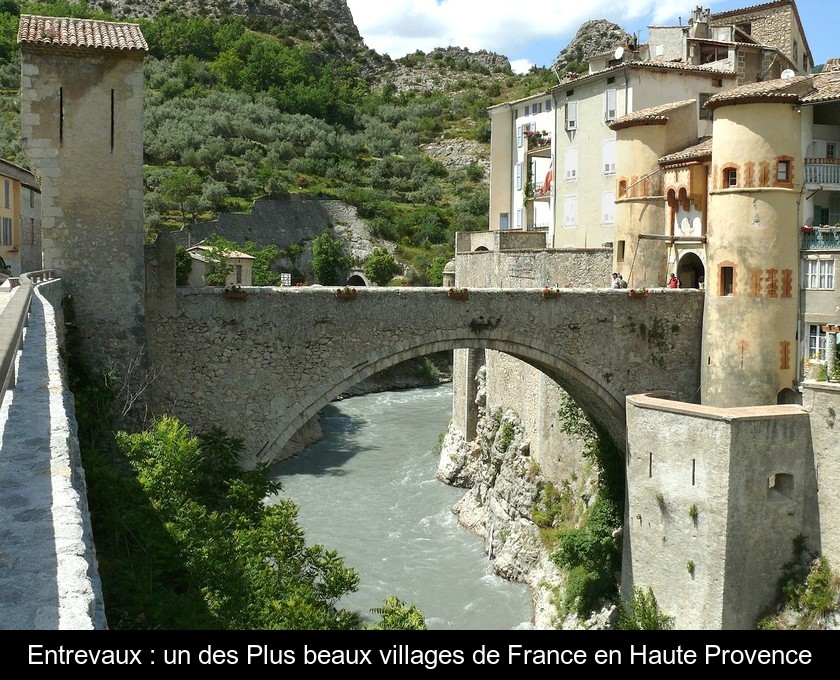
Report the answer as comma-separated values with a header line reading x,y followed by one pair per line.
x,y
241,267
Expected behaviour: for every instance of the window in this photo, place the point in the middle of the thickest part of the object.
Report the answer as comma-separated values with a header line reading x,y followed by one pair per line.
x,y
781,483
571,115
610,81
608,156
795,50
519,176
619,251
609,105
548,105
783,172
536,108
705,114
239,273
571,164
519,218
504,221
570,211
816,342
831,150
8,189
730,177
818,274
744,28
608,207
527,109
519,136
7,231
727,281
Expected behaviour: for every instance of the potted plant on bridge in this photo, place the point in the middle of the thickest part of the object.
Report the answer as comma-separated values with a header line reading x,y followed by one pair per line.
x,y
235,293
345,293
549,293
459,293
637,293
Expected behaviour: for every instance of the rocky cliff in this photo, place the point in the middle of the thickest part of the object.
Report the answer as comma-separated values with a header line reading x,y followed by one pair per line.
x,y
593,37
327,22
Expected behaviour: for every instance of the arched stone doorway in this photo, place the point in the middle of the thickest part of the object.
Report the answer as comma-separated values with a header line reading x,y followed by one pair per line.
x,y
691,271
357,280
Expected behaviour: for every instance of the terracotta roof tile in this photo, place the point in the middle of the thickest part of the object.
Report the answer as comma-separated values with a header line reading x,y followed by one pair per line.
x,y
648,64
826,88
702,149
831,65
85,33
780,91
654,115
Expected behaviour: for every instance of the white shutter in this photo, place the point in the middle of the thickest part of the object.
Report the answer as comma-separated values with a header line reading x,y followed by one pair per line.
x,y
570,211
608,207
519,136
571,115
519,176
609,157
609,105
571,163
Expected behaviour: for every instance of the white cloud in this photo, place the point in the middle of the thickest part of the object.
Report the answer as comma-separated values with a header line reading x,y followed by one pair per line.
x,y
398,27
521,65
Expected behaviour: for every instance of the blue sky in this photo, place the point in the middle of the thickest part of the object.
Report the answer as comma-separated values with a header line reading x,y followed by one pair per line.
x,y
535,33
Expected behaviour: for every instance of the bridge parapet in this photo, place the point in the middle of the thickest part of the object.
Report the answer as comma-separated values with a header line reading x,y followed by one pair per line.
x,y
261,367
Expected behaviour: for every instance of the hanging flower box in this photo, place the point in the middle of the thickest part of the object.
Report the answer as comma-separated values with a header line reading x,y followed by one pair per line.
x,y
234,293
459,293
637,293
549,293
345,293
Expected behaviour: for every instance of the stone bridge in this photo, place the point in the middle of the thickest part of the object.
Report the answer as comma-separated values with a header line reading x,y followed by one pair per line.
x,y
263,366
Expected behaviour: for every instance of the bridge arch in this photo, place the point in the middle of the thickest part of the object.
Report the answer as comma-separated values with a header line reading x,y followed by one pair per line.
x,y
599,404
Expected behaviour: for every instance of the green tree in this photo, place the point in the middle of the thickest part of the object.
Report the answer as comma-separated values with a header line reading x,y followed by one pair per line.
x,y
328,258
397,615
381,267
183,266
182,186
434,272
217,256
249,558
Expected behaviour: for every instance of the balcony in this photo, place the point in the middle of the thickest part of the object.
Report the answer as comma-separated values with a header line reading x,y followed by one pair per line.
x,y
539,144
821,238
822,171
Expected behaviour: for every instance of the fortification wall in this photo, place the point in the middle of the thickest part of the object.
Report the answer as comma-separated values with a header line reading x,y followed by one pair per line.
x,y
715,498
822,400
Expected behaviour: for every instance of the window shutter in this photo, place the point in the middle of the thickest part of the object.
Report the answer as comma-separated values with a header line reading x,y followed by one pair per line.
x,y
571,115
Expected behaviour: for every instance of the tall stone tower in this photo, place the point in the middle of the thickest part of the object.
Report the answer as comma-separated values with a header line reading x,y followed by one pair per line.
x,y
752,289
82,129
643,230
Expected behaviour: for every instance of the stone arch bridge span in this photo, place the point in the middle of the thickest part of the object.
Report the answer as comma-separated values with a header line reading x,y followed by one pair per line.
x,y
262,366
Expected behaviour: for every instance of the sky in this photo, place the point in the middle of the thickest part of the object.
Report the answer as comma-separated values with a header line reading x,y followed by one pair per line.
x,y
535,34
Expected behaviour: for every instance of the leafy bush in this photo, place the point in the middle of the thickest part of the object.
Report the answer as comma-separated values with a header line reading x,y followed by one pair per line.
x,y
381,267
397,615
642,613
328,258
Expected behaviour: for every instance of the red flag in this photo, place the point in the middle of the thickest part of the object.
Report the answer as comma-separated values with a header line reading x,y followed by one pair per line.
x,y
546,187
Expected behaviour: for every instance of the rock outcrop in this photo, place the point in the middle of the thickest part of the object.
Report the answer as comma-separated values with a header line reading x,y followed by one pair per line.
x,y
593,37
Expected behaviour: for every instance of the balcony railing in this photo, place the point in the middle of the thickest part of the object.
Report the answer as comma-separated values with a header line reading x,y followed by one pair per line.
x,y
821,238
822,171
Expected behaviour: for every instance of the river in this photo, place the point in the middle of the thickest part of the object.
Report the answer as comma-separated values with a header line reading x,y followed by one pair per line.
x,y
368,490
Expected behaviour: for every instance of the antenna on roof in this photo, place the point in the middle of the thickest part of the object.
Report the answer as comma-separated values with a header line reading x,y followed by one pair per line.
x,y
788,73
556,75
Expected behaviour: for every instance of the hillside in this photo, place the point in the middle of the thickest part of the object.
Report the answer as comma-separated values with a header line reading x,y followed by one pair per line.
x,y
273,99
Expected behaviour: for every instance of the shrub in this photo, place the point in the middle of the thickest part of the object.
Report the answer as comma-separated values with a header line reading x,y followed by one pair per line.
x,y
642,612
328,259
381,267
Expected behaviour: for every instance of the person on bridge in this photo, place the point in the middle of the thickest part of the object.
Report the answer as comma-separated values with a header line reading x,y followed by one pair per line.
x,y
673,282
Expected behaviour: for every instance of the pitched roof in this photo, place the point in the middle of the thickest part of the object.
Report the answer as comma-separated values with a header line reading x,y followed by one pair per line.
x,y
19,174
702,149
199,250
654,115
80,33
651,64
771,91
826,88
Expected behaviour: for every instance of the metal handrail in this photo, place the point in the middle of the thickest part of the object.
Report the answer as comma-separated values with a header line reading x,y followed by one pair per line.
x,y
12,322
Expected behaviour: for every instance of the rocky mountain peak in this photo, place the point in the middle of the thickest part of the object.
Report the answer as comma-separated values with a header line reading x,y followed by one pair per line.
x,y
593,37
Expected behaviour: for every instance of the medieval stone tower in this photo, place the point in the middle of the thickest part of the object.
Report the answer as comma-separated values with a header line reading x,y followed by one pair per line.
x,y
82,129
752,294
